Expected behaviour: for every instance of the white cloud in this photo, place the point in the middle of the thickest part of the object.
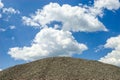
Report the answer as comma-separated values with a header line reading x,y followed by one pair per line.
x,y
11,10
114,56
8,10
1,4
99,5
108,4
49,42
0,69
2,30
12,27
29,21
73,18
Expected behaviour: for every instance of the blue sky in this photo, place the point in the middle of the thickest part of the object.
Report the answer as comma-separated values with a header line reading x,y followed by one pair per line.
x,y
36,29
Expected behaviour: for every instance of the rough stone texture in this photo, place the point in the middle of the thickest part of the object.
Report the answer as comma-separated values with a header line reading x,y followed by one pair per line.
x,y
62,68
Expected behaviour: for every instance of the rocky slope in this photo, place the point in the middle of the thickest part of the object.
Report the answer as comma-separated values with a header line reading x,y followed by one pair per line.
x,y
62,68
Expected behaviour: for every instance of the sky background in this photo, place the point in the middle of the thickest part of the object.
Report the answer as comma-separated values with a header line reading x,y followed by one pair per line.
x,y
36,29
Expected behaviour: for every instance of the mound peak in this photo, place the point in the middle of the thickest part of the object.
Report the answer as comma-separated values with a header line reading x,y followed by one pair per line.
x,y
62,68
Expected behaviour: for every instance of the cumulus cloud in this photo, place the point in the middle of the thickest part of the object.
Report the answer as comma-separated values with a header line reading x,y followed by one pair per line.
x,y
11,10
49,42
0,69
108,4
73,18
52,42
1,4
114,56
100,5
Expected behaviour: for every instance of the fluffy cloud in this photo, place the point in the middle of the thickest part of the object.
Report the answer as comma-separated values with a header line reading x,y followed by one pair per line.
x,y
73,18
0,69
100,5
114,56
11,10
108,4
1,4
49,42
